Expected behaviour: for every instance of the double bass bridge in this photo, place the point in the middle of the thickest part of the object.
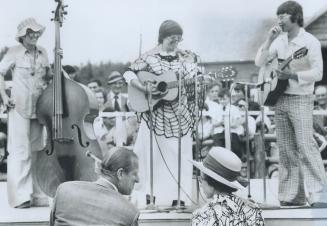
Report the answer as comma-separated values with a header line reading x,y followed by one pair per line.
x,y
64,140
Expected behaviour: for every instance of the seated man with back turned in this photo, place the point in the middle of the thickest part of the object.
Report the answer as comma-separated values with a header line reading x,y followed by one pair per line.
x,y
100,202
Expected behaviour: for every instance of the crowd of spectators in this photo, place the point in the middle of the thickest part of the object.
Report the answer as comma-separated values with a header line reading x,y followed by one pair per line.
x,y
223,106
111,127
114,128
231,103
320,120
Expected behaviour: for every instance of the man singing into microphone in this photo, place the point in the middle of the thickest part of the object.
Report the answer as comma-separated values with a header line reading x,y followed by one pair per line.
x,y
300,160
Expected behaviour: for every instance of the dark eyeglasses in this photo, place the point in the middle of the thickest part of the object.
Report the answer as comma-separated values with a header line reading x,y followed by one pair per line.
x,y
175,38
31,33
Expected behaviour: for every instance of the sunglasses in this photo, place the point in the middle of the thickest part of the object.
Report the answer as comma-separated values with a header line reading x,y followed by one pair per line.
x,y
31,33
175,38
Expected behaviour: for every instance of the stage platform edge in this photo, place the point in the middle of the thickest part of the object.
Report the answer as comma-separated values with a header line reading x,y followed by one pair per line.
x,y
273,217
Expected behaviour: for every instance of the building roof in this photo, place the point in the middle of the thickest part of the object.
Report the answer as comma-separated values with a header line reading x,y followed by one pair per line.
x,y
236,39
316,16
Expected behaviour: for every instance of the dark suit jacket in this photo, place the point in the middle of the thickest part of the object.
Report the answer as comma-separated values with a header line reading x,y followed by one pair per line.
x,y
124,106
91,203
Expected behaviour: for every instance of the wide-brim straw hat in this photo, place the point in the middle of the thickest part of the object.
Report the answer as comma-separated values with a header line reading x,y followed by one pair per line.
x,y
114,77
222,165
29,23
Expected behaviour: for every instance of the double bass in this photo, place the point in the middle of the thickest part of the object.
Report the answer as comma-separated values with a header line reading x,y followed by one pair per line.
x,y
66,109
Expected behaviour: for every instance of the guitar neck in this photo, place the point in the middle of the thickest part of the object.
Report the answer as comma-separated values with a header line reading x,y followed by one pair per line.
x,y
174,84
286,62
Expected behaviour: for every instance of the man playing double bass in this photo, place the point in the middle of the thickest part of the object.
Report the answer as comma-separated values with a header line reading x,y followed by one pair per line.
x,y
29,65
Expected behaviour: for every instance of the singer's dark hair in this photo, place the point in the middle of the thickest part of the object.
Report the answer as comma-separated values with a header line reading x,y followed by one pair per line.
x,y
294,9
217,185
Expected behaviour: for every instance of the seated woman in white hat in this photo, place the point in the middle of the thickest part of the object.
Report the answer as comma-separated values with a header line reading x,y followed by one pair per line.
x,y
219,173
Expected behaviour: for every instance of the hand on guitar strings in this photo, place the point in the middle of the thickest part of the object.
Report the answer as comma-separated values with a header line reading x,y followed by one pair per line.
x,y
285,74
154,89
144,87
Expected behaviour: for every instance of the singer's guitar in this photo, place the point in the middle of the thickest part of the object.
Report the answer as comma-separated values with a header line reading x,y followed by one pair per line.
x,y
167,85
273,87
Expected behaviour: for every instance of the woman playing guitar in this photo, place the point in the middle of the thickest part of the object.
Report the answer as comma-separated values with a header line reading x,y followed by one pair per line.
x,y
166,58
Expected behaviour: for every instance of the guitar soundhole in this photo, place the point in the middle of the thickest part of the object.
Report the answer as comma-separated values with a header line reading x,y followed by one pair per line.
x,y
162,87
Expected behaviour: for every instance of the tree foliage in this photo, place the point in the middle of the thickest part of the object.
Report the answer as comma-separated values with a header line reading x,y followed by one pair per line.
x,y
87,71
99,71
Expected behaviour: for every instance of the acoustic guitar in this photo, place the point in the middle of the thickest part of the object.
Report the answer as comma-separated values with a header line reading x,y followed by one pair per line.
x,y
167,85
273,87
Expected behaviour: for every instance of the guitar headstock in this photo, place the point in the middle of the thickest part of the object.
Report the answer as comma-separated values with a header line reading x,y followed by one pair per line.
x,y
300,53
59,12
226,73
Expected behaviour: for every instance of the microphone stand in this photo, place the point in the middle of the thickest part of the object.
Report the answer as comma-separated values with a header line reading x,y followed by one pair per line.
x,y
262,134
197,149
247,140
261,84
151,205
178,206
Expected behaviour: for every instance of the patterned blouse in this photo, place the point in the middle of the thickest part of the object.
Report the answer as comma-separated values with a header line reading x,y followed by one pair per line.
x,y
228,210
165,113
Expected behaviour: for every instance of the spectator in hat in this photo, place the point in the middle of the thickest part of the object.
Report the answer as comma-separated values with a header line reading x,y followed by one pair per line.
x,y
30,66
115,97
220,173
102,126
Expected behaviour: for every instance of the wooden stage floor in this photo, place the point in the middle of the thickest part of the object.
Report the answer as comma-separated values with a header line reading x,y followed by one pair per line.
x,y
273,216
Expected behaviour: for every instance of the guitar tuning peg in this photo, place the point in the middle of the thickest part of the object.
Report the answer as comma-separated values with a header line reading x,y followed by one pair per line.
x,y
52,11
65,6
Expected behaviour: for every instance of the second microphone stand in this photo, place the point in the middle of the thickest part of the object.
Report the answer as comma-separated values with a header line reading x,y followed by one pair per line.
x,y
151,205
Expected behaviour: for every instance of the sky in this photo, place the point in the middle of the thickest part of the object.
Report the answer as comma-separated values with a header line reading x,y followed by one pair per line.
x,y
103,30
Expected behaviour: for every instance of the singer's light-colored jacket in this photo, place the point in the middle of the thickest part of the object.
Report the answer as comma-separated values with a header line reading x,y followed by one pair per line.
x,y
308,68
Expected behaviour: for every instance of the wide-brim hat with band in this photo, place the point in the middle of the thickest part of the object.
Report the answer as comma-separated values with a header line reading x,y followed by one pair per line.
x,y
222,165
114,77
29,23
